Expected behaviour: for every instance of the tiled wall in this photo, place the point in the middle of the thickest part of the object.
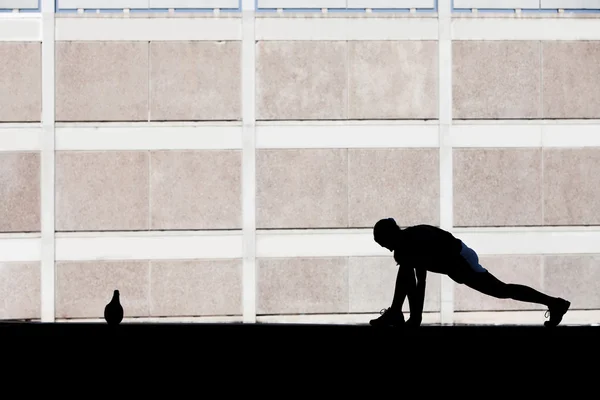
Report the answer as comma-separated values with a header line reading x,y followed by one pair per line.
x,y
167,82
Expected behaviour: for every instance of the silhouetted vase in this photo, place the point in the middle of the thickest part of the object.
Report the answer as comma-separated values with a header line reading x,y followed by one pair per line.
x,y
113,312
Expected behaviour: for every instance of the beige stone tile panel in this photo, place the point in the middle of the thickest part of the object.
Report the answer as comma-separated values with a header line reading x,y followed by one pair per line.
x,y
102,191
302,188
195,81
393,79
571,79
302,285
20,192
20,82
301,80
497,187
83,288
196,288
496,79
572,186
20,290
398,183
196,189
102,81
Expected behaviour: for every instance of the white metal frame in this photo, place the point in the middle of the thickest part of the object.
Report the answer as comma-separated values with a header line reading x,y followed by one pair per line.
x,y
250,135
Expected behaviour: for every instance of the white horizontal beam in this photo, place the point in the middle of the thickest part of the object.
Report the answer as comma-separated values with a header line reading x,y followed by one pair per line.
x,y
21,139
20,29
493,241
391,4
101,4
571,4
371,28
498,134
147,29
152,246
497,4
347,136
194,4
20,4
149,138
526,29
293,243
415,134
301,4
19,248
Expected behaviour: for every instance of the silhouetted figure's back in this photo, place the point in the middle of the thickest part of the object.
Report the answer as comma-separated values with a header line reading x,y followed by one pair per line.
x,y
113,312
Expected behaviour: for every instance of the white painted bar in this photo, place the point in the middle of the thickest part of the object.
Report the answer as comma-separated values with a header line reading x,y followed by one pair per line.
x,y
120,246
248,95
579,135
496,135
531,241
194,3
301,4
161,245
526,29
403,28
20,249
284,135
20,139
160,29
346,136
19,4
492,241
571,4
391,4
498,4
445,149
20,29
573,317
149,138
47,164
101,4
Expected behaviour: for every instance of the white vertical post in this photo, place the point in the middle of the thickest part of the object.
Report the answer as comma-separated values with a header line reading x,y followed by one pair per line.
x,y
47,163
248,162
445,121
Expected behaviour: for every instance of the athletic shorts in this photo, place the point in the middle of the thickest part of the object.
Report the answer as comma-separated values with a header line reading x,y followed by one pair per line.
x,y
472,259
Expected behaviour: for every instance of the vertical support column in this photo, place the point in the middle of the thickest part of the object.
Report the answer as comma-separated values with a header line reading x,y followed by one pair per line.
x,y
47,164
445,122
248,162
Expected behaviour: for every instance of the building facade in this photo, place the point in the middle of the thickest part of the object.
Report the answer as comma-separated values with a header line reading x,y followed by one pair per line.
x,y
226,160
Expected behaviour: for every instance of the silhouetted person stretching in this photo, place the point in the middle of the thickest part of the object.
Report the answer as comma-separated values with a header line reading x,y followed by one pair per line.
x,y
421,248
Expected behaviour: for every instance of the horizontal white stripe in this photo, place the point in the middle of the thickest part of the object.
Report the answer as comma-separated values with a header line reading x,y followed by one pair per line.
x,y
294,243
339,28
301,3
20,29
495,4
149,137
14,249
483,28
573,317
148,247
571,4
159,29
20,4
498,134
346,136
20,139
194,3
374,4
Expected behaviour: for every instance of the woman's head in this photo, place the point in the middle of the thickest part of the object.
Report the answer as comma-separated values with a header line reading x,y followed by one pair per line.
x,y
386,233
